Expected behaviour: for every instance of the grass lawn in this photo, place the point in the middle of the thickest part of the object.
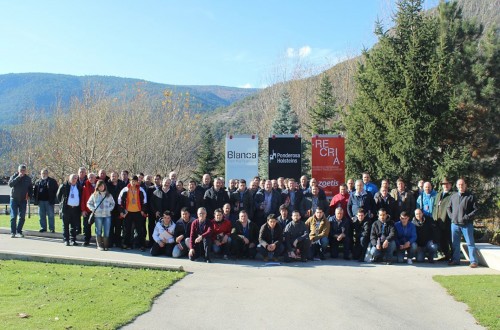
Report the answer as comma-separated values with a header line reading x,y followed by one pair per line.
x,y
480,292
56,296
32,223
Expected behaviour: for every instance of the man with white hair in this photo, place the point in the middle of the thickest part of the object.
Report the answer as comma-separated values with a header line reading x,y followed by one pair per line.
x,y
69,196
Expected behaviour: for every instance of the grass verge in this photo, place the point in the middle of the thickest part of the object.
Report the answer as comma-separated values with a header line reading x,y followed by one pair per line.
x,y
32,223
56,296
480,292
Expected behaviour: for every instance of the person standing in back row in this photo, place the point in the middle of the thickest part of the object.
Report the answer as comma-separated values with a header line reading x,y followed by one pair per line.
x,y
44,194
462,209
22,189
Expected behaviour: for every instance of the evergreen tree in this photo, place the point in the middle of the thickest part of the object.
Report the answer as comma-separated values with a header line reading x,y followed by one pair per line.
x,y
325,110
419,97
207,156
286,121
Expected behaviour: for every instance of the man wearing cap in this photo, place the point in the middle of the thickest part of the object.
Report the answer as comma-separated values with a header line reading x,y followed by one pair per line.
x,y
22,189
462,209
440,216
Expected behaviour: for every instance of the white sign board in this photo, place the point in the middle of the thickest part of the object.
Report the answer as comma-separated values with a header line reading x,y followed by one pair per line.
x,y
242,157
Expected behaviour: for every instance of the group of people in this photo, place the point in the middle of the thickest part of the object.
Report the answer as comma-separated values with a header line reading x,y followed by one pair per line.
x,y
274,219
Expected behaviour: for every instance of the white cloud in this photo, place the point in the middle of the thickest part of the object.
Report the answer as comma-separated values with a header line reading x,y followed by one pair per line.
x,y
247,85
305,51
290,52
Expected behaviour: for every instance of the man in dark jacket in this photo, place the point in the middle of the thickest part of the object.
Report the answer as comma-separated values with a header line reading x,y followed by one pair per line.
x,y
22,190
182,233
163,199
69,195
426,233
462,209
270,239
441,218
312,200
266,201
241,199
292,197
297,239
339,234
45,196
386,201
114,187
383,237
361,235
244,237
192,198
215,197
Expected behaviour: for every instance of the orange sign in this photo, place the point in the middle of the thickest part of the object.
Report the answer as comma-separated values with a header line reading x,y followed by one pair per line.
x,y
328,162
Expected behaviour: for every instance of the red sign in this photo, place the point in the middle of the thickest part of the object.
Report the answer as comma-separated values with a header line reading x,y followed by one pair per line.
x,y
328,162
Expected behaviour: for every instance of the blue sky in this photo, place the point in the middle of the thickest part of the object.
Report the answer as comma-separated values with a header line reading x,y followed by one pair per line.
x,y
230,43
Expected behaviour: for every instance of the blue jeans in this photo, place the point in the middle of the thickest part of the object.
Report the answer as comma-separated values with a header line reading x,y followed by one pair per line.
x,y
412,251
46,210
385,253
17,208
177,252
430,249
222,248
456,233
320,243
102,224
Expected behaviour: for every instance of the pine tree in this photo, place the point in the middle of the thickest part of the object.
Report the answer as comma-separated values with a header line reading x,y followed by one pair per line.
x,y
414,91
325,110
286,121
207,156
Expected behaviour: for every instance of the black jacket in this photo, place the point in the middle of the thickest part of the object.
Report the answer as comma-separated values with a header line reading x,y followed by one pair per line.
x,y
214,200
191,200
51,185
266,236
426,231
462,208
390,205
238,203
389,233
252,233
295,231
63,194
259,214
162,201
182,228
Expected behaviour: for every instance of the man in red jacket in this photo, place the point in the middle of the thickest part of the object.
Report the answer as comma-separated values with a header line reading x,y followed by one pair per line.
x,y
221,232
340,200
200,239
87,191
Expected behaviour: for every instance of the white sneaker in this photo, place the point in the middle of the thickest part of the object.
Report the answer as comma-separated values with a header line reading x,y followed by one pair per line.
x,y
19,235
410,262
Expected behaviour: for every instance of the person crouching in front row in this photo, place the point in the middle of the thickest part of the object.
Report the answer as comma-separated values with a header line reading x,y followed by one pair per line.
x,y
200,239
163,236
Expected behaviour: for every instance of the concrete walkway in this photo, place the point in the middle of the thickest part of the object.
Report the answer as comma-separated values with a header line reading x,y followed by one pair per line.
x,y
250,295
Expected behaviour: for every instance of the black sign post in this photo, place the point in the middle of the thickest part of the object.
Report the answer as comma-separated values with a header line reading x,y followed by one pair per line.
x,y
285,156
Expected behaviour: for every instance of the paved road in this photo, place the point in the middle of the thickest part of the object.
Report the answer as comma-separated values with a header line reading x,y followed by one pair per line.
x,y
321,295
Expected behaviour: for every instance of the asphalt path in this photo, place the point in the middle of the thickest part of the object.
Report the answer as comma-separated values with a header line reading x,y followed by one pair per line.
x,y
248,294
